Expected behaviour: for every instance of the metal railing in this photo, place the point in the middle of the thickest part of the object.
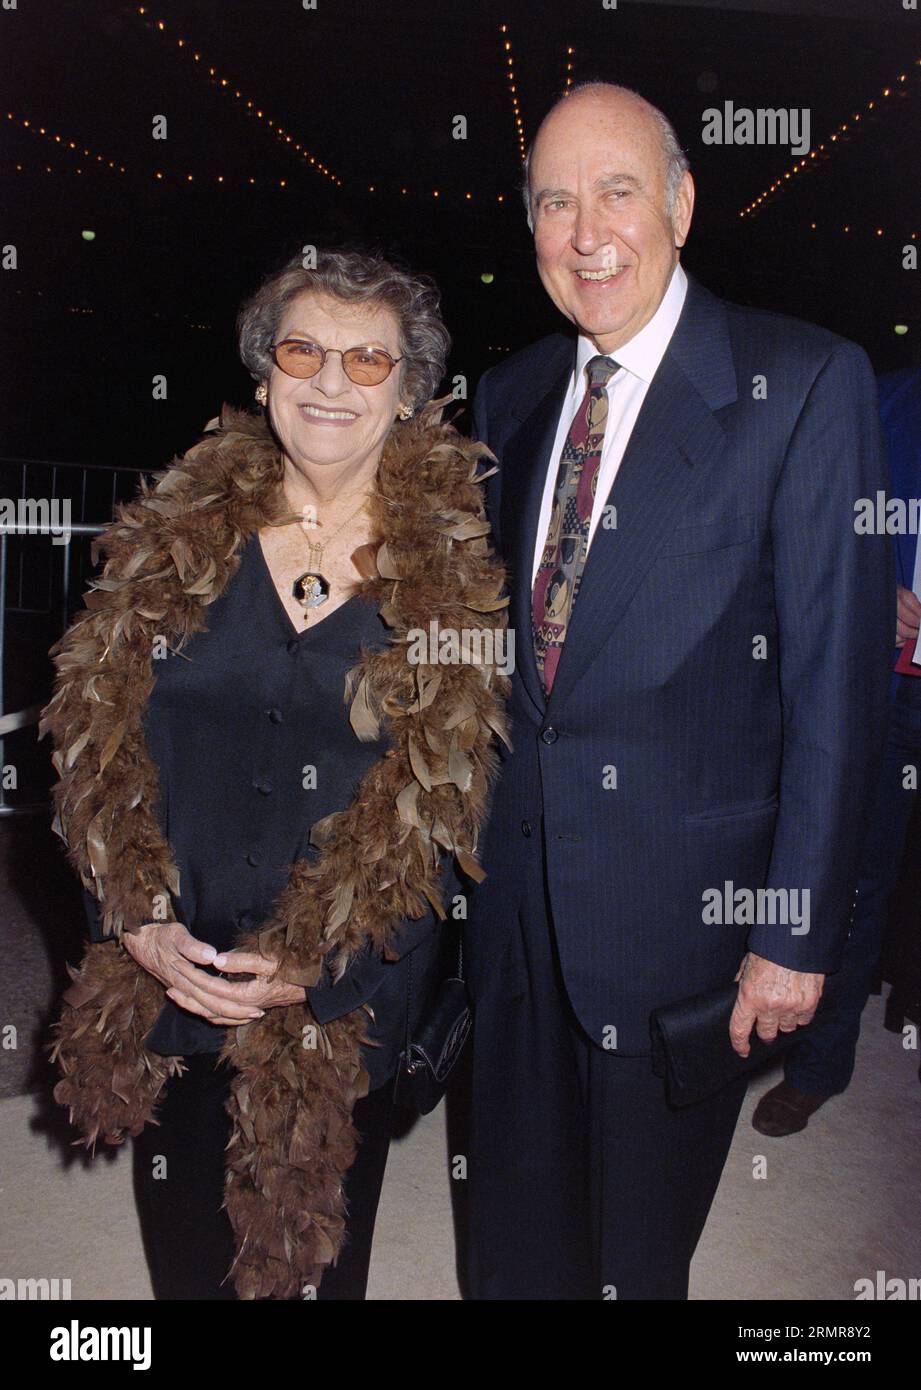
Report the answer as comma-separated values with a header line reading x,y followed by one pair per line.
x,y
18,720
44,592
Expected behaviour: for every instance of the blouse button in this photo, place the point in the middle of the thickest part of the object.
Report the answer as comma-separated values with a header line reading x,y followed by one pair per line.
x,y
254,858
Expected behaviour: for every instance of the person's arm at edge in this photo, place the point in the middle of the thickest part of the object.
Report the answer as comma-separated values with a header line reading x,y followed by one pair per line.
x,y
835,598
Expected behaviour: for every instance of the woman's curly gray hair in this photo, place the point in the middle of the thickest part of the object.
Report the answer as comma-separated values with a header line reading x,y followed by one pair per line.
x,y
355,278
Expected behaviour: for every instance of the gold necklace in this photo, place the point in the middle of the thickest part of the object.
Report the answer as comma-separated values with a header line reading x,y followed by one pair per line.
x,y
312,588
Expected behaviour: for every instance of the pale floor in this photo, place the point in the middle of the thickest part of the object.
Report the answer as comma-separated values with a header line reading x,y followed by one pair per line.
x,y
838,1202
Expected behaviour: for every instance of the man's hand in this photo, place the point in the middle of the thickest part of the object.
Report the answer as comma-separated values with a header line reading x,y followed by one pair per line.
x,y
908,617
772,997
169,952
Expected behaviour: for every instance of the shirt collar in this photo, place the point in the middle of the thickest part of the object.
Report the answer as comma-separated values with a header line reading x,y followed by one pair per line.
x,y
643,353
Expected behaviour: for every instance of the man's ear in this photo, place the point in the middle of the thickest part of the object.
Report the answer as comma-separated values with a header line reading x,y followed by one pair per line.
x,y
684,209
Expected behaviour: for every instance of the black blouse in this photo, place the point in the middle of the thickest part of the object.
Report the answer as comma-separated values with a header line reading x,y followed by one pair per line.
x,y
249,731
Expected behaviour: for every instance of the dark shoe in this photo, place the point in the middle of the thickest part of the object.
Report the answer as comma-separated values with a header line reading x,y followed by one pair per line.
x,y
784,1110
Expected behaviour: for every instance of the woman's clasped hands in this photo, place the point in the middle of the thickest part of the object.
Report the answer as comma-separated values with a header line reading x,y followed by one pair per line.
x,y
170,953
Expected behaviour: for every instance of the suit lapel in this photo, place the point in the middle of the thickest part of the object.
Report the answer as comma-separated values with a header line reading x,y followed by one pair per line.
x,y
525,460
675,430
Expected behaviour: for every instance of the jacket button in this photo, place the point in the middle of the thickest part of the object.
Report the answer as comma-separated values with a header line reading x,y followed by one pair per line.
x,y
526,829
293,645
263,788
549,735
275,715
254,858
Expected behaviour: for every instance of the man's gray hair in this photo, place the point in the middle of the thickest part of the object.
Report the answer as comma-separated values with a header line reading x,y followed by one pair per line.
x,y
355,278
676,161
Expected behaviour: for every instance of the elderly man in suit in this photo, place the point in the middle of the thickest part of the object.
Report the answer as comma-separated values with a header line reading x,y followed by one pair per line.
x,y
699,701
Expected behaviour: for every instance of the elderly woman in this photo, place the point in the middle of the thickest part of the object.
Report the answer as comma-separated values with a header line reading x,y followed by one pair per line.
x,y
266,793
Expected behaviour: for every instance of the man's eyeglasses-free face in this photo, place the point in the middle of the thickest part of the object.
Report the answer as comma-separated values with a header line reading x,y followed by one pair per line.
x,y
366,366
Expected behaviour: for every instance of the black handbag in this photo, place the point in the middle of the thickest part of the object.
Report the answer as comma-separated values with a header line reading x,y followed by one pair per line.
x,y
437,1042
691,1047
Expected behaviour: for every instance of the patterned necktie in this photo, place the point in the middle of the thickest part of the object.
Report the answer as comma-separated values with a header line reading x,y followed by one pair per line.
x,y
566,547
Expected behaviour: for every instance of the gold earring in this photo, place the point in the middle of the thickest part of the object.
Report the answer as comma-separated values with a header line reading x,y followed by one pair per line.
x,y
262,393
405,412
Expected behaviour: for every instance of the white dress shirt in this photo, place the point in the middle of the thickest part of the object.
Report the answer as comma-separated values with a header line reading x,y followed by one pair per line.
x,y
639,360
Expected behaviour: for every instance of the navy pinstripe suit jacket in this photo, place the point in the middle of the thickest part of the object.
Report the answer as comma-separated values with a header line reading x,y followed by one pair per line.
x,y
735,760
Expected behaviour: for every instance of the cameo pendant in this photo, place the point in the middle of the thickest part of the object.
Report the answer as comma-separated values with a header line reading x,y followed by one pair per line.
x,y
310,589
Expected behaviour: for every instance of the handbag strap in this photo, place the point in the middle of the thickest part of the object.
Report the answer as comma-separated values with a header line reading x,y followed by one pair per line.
x,y
410,982
407,1038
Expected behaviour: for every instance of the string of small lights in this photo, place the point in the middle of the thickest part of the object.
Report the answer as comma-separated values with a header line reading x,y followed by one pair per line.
x,y
437,193
827,148
93,160
251,108
455,197
182,181
53,138
848,229
570,70
513,89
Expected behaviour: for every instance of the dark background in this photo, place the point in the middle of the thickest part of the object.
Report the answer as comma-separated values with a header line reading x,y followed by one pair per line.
x,y
370,90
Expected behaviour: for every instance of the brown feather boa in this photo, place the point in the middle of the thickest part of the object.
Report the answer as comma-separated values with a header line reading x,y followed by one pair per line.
x,y
169,554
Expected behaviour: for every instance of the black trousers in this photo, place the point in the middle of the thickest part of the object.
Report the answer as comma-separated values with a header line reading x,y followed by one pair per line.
x,y
583,1182
188,1238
